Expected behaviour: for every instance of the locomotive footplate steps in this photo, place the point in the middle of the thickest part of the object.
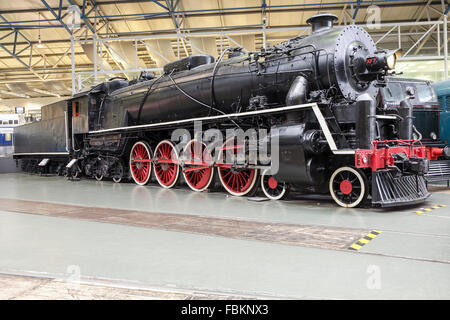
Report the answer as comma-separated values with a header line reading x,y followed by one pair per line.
x,y
325,237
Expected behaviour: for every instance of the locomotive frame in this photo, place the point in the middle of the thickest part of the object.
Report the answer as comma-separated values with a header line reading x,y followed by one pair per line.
x,y
315,95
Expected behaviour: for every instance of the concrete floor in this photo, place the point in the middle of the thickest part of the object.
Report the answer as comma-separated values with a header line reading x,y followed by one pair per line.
x,y
410,259
16,287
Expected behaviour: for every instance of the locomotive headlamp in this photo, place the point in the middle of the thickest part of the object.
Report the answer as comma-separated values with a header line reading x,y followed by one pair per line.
x,y
392,57
383,60
390,61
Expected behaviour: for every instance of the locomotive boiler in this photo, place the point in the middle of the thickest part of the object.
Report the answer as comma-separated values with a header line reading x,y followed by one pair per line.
x,y
314,95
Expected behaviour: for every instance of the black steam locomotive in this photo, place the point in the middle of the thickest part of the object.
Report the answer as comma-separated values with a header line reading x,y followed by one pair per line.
x,y
314,95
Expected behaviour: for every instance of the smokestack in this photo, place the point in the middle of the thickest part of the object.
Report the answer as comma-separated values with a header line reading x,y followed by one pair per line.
x,y
321,21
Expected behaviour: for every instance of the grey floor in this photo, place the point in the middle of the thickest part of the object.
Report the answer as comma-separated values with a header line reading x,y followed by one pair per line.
x,y
409,260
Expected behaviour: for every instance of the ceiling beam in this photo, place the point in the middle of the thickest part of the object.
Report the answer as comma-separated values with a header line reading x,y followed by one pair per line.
x,y
57,16
235,11
83,17
102,3
257,10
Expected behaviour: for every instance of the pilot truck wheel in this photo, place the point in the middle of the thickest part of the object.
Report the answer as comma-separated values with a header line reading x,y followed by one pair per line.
x,y
348,187
273,189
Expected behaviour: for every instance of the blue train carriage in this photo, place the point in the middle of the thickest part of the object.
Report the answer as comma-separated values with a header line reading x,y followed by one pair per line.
x,y
443,93
6,137
431,120
7,124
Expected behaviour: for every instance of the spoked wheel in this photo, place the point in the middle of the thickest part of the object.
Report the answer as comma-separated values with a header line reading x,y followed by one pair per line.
x,y
237,181
76,173
197,172
73,172
98,177
272,188
348,187
117,172
166,166
140,163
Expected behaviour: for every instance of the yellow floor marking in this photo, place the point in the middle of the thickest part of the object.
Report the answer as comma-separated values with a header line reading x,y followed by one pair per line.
x,y
356,246
437,206
366,239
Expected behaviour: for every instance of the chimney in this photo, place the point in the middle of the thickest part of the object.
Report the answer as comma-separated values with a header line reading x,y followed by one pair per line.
x,y
321,21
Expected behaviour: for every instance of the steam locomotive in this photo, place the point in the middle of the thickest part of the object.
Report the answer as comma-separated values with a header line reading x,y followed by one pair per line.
x,y
314,95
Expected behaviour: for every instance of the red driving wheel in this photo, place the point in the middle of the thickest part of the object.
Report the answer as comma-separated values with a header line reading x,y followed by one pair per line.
x,y
197,172
237,181
166,164
140,163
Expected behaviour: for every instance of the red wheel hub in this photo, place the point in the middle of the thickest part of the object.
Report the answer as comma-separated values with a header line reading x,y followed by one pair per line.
x,y
273,184
346,187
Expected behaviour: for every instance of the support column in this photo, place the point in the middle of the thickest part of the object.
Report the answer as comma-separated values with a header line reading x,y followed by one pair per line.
x,y
94,42
445,48
72,50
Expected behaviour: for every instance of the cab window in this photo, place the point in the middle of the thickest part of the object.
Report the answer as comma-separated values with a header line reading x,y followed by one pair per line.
x,y
425,93
393,92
